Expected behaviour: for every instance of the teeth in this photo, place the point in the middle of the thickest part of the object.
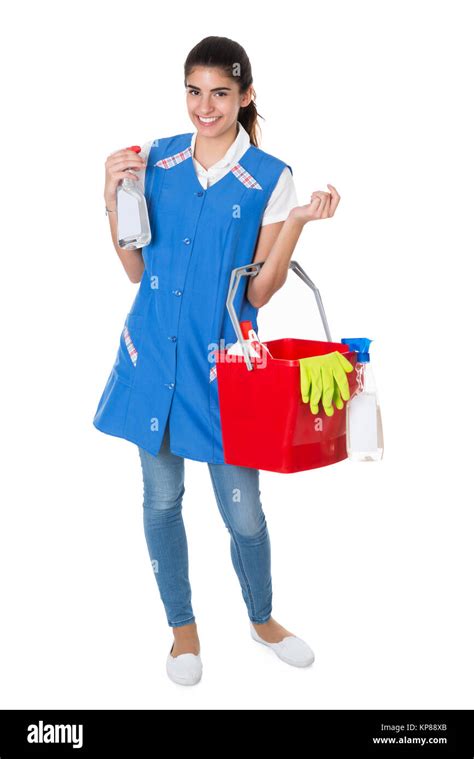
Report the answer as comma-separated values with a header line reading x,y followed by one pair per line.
x,y
208,121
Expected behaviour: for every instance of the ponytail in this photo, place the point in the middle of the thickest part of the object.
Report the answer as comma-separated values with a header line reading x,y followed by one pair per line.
x,y
248,119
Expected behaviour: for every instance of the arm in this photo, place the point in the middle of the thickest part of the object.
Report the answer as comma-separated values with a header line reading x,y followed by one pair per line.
x,y
276,243
118,167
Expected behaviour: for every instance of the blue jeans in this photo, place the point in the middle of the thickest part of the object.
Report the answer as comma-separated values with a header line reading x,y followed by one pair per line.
x,y
237,495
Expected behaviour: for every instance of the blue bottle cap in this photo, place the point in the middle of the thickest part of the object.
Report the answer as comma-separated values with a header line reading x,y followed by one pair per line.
x,y
361,345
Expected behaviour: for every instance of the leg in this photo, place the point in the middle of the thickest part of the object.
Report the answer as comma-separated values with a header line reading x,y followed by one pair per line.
x,y
163,490
237,494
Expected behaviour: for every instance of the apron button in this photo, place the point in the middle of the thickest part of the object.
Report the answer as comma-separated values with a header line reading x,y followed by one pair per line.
x,y
186,240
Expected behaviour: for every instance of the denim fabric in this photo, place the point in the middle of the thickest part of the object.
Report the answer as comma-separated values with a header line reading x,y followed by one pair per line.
x,y
237,495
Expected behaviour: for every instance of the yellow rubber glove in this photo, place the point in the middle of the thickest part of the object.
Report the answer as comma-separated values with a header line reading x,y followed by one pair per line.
x,y
323,378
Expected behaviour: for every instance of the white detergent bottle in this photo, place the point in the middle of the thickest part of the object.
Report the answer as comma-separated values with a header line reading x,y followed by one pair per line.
x,y
133,224
251,340
364,433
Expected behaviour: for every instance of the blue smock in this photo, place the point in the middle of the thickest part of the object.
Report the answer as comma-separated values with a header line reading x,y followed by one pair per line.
x,y
165,368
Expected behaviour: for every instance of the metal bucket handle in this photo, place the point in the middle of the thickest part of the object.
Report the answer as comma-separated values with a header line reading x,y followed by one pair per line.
x,y
251,270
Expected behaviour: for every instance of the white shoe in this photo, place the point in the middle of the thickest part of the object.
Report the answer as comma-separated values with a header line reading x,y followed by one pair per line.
x,y
185,669
291,649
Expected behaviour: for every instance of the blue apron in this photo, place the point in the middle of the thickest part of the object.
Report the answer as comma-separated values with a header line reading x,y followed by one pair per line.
x,y
165,367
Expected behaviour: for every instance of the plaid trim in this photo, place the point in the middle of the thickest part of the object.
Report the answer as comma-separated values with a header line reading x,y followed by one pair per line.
x,y
244,177
213,373
239,172
173,160
132,351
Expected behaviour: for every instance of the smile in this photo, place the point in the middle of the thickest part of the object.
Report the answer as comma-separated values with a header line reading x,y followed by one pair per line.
x,y
208,120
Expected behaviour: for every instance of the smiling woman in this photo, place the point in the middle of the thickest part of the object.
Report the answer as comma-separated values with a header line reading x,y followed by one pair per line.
x,y
217,201
219,93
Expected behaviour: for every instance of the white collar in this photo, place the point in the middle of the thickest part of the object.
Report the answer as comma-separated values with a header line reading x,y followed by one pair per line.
x,y
238,147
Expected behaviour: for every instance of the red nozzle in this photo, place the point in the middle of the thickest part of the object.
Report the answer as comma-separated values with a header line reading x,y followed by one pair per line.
x,y
135,148
246,327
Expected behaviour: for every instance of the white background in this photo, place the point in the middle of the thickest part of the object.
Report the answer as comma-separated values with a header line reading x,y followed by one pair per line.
x,y
372,563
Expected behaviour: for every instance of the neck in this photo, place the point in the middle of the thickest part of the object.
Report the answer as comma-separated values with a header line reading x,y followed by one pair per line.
x,y
209,150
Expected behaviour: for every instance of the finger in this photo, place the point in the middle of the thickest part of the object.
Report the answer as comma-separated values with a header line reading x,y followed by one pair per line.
x,y
321,194
305,383
344,362
123,153
129,151
343,387
316,389
335,198
332,207
315,206
314,407
324,196
125,175
337,400
328,390
341,379
123,172
129,163
326,207
314,203
312,207
125,158
116,152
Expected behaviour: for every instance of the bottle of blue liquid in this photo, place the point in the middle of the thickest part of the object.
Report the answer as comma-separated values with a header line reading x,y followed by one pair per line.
x,y
364,433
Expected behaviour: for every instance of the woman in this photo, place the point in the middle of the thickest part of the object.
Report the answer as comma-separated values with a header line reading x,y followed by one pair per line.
x,y
216,201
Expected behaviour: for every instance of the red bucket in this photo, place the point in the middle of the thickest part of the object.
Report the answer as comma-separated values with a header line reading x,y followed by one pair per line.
x,y
265,424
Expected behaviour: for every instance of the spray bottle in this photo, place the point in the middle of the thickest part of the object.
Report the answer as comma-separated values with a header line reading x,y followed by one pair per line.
x,y
251,339
364,434
133,225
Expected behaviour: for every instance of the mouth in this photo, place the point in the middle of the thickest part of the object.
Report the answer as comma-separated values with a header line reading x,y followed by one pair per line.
x,y
208,121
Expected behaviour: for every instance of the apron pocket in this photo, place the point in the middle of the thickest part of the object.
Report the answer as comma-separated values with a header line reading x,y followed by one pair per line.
x,y
129,348
132,351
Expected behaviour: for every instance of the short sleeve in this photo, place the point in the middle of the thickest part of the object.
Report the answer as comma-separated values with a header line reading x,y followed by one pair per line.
x,y
141,173
282,199
145,151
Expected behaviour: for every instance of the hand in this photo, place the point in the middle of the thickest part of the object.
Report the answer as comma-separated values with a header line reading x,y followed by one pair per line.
x,y
322,206
116,167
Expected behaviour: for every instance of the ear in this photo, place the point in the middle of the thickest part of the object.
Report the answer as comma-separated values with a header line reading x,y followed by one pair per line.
x,y
246,98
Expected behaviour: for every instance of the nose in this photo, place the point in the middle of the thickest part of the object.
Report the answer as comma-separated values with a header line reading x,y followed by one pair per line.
x,y
206,106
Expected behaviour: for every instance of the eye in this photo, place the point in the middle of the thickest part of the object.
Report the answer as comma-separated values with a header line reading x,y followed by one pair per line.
x,y
222,93
191,91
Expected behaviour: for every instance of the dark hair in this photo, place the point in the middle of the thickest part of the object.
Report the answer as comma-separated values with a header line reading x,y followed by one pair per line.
x,y
223,53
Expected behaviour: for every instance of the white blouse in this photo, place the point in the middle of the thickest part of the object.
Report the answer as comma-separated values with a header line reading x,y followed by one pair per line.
x,y
283,197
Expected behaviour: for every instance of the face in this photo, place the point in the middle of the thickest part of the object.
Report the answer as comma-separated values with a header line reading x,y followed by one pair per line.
x,y
213,100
